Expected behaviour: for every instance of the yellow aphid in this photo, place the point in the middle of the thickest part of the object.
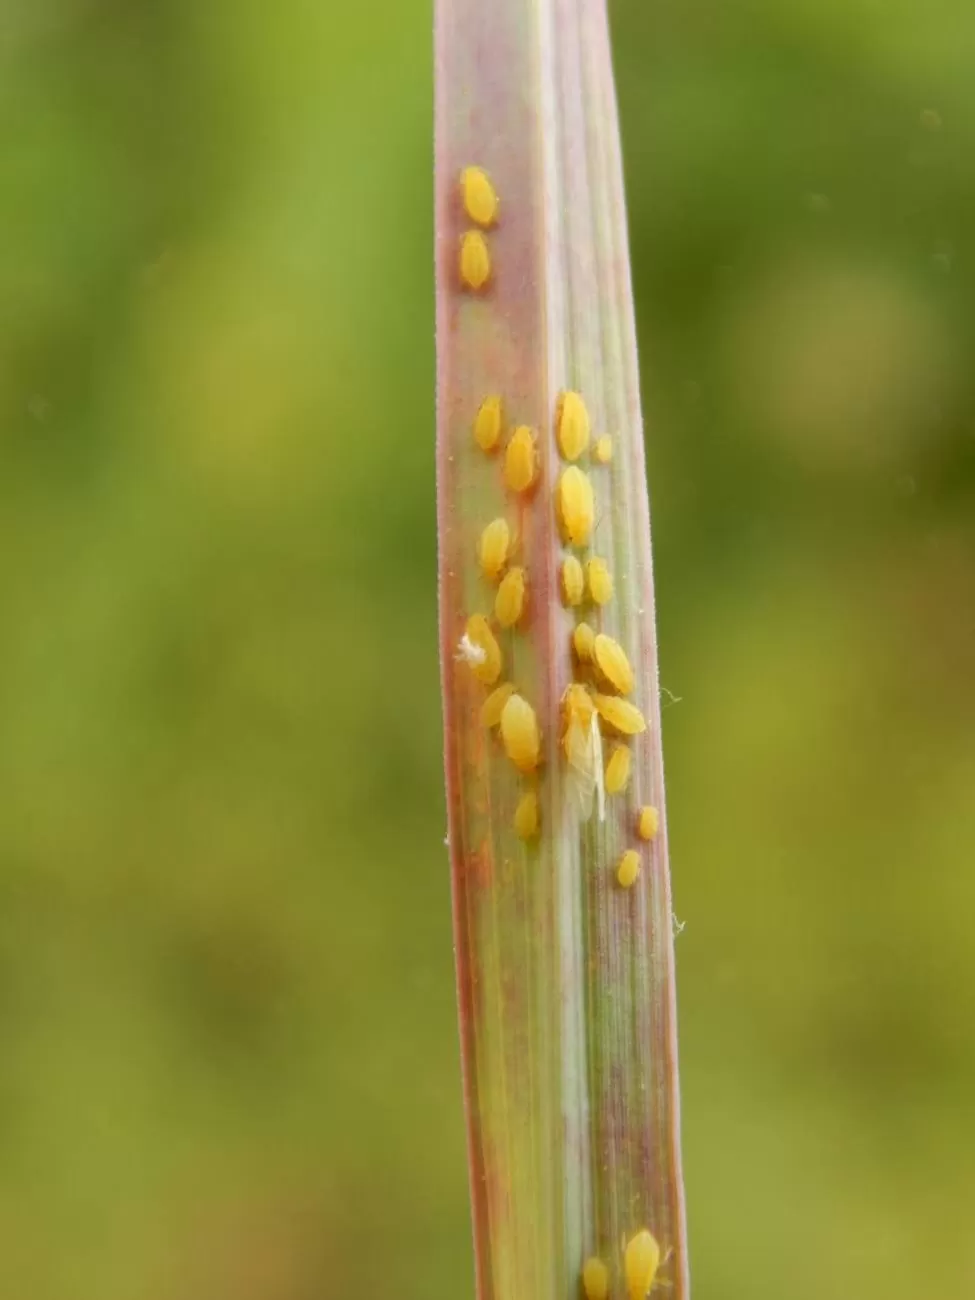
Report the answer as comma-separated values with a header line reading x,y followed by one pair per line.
x,y
618,770
488,423
600,581
479,195
573,581
640,1263
583,642
481,650
612,662
575,505
595,1279
526,816
602,451
519,733
495,702
519,460
571,425
509,604
621,715
647,822
493,548
475,260
577,703
627,872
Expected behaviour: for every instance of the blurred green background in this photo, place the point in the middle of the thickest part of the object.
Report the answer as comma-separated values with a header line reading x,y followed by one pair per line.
x,y
228,1056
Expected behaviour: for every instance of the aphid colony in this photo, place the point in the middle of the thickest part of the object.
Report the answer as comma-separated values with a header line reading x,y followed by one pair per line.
x,y
596,700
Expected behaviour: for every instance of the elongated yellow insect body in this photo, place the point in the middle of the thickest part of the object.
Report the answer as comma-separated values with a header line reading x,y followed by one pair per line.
x,y
495,702
488,423
486,665
583,642
602,450
575,505
621,715
618,770
519,733
612,662
520,460
526,816
600,581
641,1261
493,548
479,196
595,1279
627,872
577,703
573,581
509,604
475,261
571,425
647,822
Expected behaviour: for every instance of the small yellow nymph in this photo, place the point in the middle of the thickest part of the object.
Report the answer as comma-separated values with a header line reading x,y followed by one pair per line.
x,y
571,425
479,196
475,261
648,822
620,715
573,581
600,581
576,506
493,548
488,423
526,816
613,664
583,642
618,770
509,604
479,648
495,702
602,451
520,734
628,869
640,1263
520,460
595,1279
582,746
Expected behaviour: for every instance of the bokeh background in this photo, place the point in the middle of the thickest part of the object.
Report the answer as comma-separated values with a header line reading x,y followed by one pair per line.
x,y
228,1056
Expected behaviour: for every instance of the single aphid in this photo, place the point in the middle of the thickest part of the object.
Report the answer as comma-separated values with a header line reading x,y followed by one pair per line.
x,y
600,581
509,604
583,748
576,508
640,1263
479,648
526,816
493,548
495,702
627,872
475,261
573,581
595,1279
520,460
612,662
602,451
519,733
479,196
618,770
583,642
488,423
647,822
621,715
571,425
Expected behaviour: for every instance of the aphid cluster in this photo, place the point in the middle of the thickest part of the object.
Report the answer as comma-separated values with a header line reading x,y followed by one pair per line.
x,y
595,703
480,202
641,1261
